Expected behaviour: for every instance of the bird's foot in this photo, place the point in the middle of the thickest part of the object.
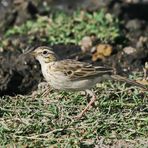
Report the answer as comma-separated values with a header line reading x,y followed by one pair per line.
x,y
93,99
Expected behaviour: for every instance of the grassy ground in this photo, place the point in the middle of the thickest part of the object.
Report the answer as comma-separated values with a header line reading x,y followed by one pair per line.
x,y
119,116
119,113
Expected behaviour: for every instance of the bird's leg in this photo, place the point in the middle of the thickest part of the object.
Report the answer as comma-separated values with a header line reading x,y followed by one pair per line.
x,y
46,92
44,88
93,98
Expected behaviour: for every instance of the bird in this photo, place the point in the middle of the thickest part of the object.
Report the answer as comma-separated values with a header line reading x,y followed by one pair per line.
x,y
74,75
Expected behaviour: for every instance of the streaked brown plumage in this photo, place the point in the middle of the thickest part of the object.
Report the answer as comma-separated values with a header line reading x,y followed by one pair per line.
x,y
72,75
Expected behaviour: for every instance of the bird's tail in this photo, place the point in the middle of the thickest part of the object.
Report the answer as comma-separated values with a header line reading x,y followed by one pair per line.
x,y
132,82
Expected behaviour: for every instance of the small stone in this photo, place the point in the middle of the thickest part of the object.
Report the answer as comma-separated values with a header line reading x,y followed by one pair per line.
x,y
86,44
129,50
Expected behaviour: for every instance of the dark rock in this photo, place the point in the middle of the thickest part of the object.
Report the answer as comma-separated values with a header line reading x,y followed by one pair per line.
x,y
19,74
133,24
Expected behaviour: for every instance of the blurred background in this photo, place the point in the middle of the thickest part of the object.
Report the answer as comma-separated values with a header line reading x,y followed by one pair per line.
x,y
104,32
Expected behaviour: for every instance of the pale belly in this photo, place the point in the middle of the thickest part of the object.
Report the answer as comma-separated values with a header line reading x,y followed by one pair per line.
x,y
58,80
72,85
61,82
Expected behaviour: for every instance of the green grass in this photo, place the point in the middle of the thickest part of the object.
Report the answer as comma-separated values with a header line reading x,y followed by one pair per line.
x,y
119,113
63,28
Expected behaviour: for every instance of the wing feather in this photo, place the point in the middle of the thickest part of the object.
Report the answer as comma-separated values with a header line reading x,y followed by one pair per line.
x,y
80,70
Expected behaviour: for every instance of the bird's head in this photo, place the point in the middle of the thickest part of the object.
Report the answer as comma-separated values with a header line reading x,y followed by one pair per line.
x,y
44,54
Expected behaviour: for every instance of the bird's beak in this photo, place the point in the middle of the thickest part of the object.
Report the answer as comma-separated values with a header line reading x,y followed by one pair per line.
x,y
33,53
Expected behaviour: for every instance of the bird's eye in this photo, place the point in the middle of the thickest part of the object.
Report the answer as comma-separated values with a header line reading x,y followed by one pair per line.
x,y
45,52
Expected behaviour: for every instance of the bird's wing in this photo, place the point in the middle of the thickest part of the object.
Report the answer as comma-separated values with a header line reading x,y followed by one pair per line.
x,y
80,70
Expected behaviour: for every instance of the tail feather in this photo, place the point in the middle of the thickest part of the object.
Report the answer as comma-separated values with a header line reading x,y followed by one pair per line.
x,y
132,82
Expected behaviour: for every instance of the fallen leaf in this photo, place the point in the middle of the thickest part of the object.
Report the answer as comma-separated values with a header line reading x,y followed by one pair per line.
x,y
101,51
